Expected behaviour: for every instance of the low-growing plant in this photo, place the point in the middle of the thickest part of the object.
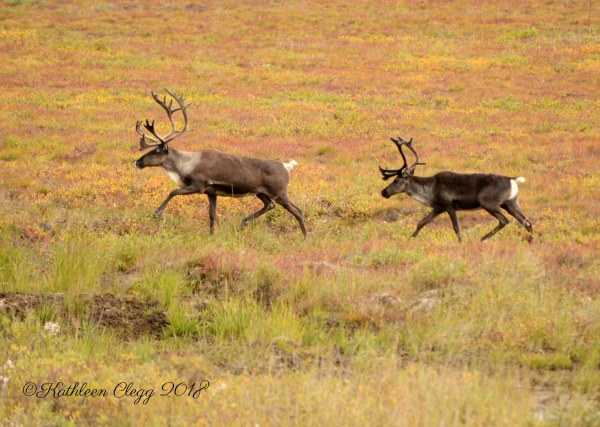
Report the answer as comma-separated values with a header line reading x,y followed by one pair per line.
x,y
181,323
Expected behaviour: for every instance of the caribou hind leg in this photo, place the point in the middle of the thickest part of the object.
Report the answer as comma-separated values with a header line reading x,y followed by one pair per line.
x,y
269,204
502,221
513,208
293,209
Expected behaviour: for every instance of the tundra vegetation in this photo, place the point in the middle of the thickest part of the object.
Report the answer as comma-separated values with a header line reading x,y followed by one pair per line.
x,y
356,325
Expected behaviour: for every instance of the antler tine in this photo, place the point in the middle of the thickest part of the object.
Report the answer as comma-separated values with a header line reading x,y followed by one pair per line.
x,y
162,103
138,127
168,110
399,142
150,127
388,173
143,144
405,169
174,133
168,107
180,100
411,169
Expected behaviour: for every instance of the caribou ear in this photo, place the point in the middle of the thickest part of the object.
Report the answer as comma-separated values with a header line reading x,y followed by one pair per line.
x,y
165,148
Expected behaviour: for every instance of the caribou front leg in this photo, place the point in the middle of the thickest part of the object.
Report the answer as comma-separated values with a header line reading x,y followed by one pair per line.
x,y
212,211
430,217
454,219
179,192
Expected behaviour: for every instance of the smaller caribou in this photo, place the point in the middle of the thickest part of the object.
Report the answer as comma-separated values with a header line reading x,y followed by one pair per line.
x,y
213,172
450,192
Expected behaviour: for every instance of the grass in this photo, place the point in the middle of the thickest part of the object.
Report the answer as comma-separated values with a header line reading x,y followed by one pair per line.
x,y
357,324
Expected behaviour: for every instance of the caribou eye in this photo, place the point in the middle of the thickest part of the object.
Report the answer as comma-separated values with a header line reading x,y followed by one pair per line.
x,y
157,151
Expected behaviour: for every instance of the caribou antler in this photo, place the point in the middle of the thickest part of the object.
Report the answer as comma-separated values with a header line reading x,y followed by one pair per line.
x,y
409,170
389,173
143,144
404,169
174,133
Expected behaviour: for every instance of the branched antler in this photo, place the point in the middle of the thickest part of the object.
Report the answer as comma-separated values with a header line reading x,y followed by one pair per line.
x,y
409,170
404,170
174,133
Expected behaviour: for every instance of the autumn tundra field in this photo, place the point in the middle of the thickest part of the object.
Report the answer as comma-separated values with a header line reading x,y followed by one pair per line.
x,y
109,316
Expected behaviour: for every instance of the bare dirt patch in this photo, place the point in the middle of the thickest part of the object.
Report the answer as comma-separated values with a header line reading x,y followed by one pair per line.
x,y
127,316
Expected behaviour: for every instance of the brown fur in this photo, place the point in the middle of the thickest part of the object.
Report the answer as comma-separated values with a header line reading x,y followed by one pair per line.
x,y
450,192
215,173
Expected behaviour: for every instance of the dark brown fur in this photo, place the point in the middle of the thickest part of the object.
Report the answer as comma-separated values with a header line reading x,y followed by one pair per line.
x,y
450,192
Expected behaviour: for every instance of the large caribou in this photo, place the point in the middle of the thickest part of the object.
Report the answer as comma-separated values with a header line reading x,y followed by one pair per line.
x,y
213,172
450,192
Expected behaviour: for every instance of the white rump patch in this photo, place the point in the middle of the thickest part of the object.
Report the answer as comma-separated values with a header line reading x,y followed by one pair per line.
x,y
514,189
290,165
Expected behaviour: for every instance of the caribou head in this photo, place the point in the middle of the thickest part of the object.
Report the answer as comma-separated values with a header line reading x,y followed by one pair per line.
x,y
159,144
400,183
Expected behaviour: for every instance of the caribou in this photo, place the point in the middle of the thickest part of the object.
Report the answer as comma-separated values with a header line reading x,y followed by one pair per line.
x,y
451,192
213,172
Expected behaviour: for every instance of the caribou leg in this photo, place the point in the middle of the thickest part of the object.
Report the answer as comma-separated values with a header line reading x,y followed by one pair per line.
x,y
293,209
512,207
212,211
502,221
192,189
269,204
430,217
454,219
